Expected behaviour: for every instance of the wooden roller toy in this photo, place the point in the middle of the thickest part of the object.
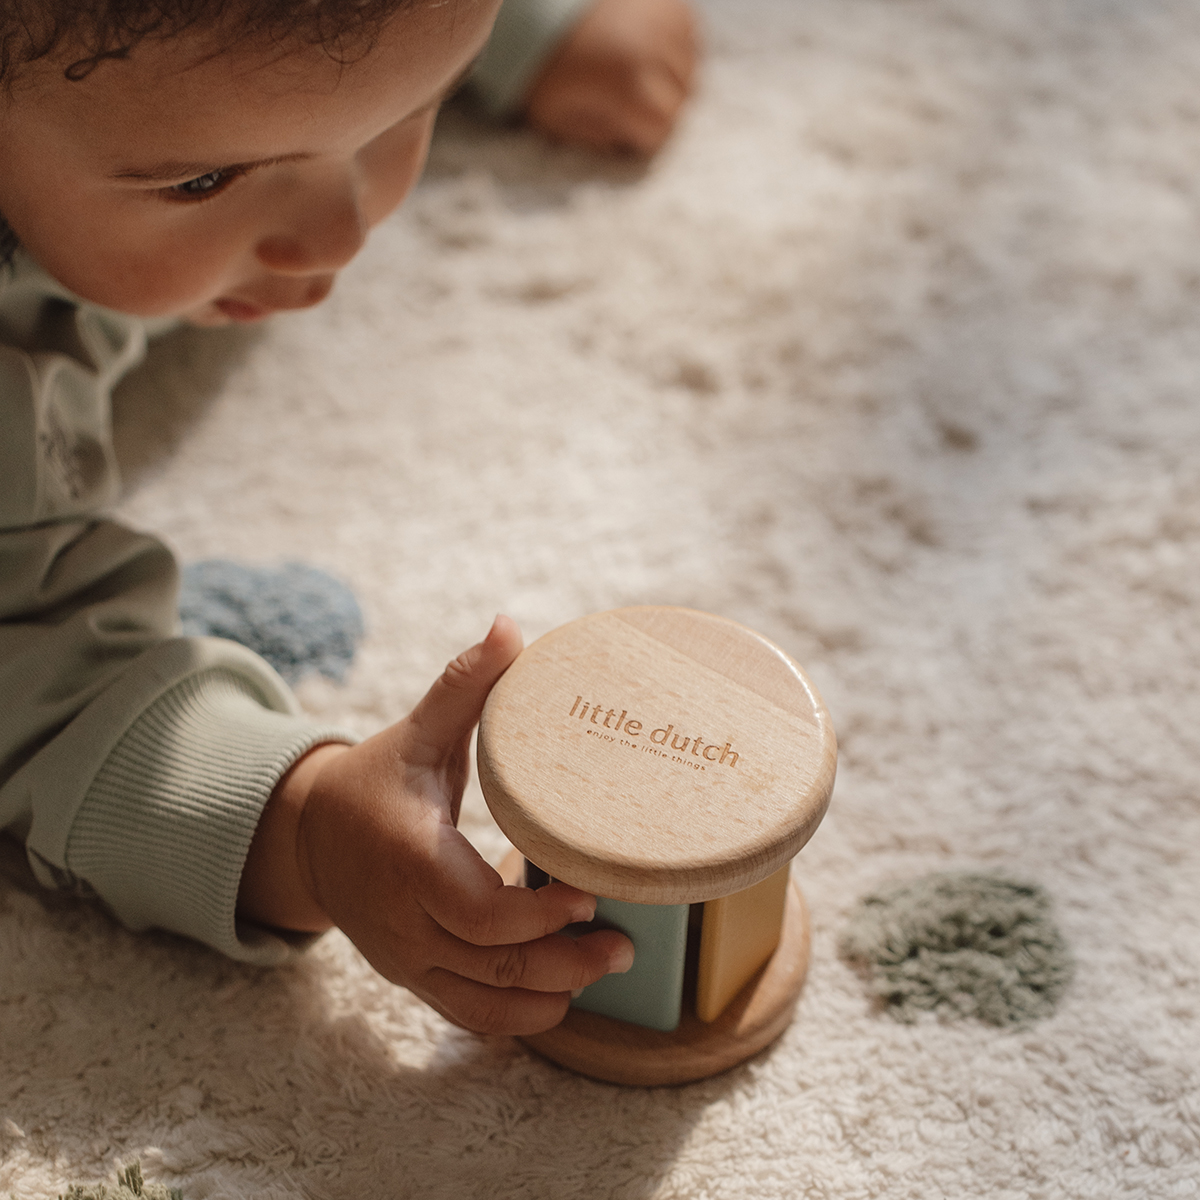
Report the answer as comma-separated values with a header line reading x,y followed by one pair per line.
x,y
672,763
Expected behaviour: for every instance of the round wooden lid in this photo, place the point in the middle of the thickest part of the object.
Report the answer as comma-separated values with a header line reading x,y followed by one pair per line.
x,y
656,755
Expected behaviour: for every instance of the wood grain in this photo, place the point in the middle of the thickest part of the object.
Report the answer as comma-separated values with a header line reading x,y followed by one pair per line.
x,y
656,755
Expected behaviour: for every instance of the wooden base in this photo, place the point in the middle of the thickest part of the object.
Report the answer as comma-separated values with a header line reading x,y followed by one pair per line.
x,y
617,1052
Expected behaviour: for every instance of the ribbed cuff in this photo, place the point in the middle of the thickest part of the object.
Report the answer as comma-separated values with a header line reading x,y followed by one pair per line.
x,y
163,832
524,36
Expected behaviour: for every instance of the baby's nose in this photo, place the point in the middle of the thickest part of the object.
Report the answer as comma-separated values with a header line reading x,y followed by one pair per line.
x,y
324,235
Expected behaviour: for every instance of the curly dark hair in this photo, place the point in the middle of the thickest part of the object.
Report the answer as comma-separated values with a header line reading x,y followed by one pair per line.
x,y
97,30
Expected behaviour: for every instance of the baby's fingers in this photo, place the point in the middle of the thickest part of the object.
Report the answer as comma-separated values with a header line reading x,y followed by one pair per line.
x,y
468,899
551,964
484,1009
524,988
450,709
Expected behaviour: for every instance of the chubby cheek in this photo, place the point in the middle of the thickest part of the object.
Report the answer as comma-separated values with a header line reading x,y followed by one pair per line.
x,y
145,273
169,277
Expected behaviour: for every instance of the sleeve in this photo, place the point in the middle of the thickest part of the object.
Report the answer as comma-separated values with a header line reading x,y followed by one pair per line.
x,y
524,36
134,763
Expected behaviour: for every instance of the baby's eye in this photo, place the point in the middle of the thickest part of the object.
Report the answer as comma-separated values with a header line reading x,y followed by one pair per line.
x,y
203,186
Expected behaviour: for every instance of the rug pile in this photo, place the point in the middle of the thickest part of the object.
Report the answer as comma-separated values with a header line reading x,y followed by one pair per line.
x,y
894,355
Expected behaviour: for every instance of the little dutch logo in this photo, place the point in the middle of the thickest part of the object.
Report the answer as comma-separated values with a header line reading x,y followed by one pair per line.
x,y
667,737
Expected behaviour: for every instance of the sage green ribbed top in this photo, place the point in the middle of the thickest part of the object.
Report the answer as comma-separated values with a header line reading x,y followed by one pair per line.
x,y
525,34
134,763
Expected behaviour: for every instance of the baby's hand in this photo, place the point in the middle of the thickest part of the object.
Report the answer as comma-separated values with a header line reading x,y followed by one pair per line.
x,y
375,851
619,78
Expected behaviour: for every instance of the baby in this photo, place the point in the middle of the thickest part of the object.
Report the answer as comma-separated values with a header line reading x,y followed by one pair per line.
x,y
219,162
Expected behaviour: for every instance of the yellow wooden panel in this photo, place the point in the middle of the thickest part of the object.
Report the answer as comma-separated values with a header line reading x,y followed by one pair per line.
x,y
738,935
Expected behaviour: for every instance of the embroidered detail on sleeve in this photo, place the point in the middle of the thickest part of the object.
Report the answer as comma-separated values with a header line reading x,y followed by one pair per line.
x,y
75,460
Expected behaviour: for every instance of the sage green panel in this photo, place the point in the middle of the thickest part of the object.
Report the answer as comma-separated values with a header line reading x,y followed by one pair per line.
x,y
650,993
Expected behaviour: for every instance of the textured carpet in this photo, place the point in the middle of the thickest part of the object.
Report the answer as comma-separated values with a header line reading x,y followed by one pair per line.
x,y
894,356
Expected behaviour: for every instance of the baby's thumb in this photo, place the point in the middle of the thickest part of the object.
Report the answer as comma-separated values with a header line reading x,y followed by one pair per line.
x,y
451,708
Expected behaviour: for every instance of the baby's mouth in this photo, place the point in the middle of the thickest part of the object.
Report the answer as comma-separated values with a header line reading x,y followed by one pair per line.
x,y
242,310
247,310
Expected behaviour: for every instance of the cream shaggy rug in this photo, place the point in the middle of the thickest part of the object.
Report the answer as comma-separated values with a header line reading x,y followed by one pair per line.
x,y
894,355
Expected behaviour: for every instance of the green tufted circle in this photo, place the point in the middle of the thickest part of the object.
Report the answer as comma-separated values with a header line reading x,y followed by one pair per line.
x,y
963,945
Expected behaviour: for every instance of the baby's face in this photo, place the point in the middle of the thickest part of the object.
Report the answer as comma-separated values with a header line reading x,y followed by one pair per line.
x,y
224,187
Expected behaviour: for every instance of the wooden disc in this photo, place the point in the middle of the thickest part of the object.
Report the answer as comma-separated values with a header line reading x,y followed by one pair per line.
x,y
617,1052
656,755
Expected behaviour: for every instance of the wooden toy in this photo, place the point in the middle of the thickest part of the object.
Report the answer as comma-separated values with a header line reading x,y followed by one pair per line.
x,y
672,763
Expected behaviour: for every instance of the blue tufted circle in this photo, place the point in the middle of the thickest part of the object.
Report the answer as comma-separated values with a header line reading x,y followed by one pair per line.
x,y
298,618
